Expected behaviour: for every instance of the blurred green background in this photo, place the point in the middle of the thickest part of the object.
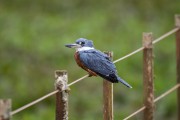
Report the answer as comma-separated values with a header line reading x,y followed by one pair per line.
x,y
32,38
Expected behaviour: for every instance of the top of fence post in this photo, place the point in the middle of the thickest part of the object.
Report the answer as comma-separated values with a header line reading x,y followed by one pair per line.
x,y
147,40
5,109
177,20
62,95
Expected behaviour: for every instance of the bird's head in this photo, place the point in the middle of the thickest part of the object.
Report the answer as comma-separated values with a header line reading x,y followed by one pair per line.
x,y
81,44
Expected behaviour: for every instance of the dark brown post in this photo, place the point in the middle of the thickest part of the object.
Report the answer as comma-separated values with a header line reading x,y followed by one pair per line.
x,y
177,24
62,95
148,76
5,109
108,97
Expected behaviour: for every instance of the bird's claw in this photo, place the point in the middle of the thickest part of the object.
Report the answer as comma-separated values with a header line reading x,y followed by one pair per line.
x,y
67,90
90,75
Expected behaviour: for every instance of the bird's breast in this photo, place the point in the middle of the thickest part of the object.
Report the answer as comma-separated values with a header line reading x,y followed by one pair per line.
x,y
78,61
80,64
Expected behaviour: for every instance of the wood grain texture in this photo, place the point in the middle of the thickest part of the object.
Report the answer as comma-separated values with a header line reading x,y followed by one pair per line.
x,y
5,109
62,95
148,76
108,97
177,24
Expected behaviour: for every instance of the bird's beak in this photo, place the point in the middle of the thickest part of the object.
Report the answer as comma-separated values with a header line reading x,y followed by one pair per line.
x,y
73,45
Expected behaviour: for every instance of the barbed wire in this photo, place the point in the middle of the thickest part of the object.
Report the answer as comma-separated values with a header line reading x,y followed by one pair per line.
x,y
82,78
155,100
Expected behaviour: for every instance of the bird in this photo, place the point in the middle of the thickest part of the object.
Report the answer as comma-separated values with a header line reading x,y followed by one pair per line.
x,y
95,62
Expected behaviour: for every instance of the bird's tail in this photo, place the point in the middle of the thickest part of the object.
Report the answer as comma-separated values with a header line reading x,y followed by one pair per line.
x,y
124,82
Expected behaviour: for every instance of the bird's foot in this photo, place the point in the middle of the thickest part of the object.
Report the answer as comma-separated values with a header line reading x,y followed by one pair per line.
x,y
90,75
67,90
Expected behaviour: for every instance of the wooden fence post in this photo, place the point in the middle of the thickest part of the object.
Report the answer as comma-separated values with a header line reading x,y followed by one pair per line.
x,y
148,76
62,95
177,24
108,97
5,109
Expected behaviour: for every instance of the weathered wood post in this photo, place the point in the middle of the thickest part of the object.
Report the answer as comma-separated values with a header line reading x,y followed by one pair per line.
x,y
177,24
148,76
62,95
108,97
5,109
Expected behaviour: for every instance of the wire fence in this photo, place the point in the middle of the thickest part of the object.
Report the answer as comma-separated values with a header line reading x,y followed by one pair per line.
x,y
82,78
118,60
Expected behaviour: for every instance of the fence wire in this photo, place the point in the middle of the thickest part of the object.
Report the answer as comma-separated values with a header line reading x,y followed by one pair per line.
x,y
154,42
82,78
155,100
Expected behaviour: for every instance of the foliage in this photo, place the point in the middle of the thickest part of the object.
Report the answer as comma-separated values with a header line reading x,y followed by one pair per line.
x,y
33,34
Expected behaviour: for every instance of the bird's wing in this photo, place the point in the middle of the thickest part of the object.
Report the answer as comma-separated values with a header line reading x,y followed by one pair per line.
x,y
98,62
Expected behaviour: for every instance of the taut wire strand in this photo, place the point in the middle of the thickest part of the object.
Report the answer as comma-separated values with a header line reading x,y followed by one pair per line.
x,y
155,100
154,42
128,55
77,80
33,103
166,35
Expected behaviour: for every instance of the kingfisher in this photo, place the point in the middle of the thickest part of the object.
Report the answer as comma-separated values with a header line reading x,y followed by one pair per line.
x,y
95,62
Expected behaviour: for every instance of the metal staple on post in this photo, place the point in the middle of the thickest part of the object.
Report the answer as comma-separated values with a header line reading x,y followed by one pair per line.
x,y
108,96
177,24
148,76
62,95
5,109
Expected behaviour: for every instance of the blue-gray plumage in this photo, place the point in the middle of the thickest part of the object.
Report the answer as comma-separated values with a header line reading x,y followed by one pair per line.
x,y
95,62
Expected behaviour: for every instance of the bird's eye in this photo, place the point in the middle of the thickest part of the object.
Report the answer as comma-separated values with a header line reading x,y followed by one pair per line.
x,y
81,43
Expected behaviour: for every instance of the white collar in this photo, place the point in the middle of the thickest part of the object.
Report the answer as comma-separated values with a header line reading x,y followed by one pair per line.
x,y
84,48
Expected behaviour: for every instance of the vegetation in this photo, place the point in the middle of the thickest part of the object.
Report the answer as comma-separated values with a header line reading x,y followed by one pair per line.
x,y
32,38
